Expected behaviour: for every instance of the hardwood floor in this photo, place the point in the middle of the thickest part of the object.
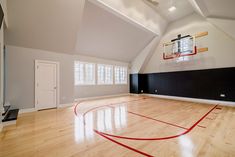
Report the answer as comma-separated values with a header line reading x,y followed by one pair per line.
x,y
124,127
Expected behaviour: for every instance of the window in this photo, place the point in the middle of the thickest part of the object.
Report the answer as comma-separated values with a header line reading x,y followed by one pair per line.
x,y
104,74
120,75
84,73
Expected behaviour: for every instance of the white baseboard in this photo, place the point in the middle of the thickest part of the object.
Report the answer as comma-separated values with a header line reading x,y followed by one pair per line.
x,y
206,101
13,122
65,105
27,110
101,97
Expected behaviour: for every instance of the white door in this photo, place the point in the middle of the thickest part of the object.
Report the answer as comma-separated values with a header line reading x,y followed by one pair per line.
x,y
46,84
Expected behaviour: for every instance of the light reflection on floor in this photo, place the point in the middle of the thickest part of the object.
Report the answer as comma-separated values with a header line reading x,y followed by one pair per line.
x,y
186,146
104,120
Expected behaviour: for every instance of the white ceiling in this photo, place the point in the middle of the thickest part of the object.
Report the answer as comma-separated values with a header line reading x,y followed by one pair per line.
x,y
217,8
183,8
55,25
43,24
108,36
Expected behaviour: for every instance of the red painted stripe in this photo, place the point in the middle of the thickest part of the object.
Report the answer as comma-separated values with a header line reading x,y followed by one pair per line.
x,y
76,105
75,108
123,145
128,147
130,113
157,120
163,138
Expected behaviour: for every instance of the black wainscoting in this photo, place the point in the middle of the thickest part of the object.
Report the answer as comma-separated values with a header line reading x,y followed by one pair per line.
x,y
137,83
203,84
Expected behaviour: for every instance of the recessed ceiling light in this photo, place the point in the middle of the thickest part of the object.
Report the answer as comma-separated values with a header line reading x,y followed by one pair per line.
x,y
172,8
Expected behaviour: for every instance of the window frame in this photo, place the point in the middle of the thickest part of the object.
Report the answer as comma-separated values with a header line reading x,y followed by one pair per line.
x,y
125,70
104,74
85,81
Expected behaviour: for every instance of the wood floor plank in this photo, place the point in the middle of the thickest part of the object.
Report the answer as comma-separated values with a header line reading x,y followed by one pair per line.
x,y
62,133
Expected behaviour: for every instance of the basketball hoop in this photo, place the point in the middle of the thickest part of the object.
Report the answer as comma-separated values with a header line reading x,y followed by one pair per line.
x,y
182,46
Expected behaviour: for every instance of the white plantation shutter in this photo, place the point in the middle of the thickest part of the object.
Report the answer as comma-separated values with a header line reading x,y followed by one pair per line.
x,y
101,74
84,73
108,74
105,74
120,75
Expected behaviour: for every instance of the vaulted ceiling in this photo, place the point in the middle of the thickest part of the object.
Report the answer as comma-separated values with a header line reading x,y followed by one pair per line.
x,y
41,24
184,8
220,13
216,8
106,35
117,30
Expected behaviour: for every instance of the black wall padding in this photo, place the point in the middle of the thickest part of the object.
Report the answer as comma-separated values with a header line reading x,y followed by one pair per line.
x,y
203,84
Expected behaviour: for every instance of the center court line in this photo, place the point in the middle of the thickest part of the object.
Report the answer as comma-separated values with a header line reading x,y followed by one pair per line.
x,y
162,138
111,105
76,105
157,120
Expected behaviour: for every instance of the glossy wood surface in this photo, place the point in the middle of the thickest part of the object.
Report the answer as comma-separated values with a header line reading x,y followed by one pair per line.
x,y
98,128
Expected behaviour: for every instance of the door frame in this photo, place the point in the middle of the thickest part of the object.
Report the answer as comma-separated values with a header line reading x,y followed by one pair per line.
x,y
57,81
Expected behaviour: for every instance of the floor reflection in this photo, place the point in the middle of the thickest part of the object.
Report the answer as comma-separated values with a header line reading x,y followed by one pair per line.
x,y
79,132
104,120
186,146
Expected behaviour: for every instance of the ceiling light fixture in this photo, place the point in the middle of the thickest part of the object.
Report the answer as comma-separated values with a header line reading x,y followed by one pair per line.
x,y
172,8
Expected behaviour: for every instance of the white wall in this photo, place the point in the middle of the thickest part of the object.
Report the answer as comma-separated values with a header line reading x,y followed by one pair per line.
x,y
1,74
220,54
4,7
20,77
138,64
224,25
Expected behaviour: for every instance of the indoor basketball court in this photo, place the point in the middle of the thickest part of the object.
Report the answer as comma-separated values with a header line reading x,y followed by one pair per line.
x,y
117,78
131,123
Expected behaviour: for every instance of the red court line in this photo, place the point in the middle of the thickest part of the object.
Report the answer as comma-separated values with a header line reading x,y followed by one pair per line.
x,y
111,105
123,145
163,138
157,120
76,105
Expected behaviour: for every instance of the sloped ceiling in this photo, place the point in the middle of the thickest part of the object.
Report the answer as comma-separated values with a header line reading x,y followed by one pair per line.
x,y
107,36
44,24
216,8
183,8
225,25
81,27
220,13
